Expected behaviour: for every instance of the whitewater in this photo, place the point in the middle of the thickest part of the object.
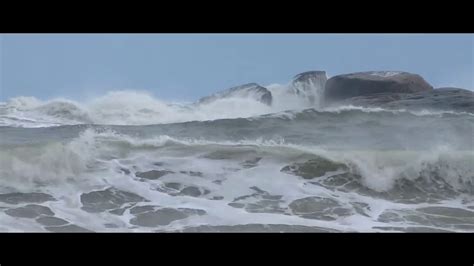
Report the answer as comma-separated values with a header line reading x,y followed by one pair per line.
x,y
130,162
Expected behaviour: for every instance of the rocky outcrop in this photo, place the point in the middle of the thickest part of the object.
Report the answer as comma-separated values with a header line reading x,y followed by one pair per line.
x,y
248,91
309,85
441,99
359,84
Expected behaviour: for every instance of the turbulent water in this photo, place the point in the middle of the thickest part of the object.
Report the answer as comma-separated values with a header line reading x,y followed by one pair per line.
x,y
129,162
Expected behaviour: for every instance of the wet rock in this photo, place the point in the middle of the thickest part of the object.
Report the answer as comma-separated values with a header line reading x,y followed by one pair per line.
x,y
153,174
192,211
71,228
183,190
442,99
318,208
109,199
259,202
30,211
447,211
141,209
172,185
159,217
411,229
51,221
17,197
247,91
191,191
435,216
389,217
265,206
259,228
312,204
372,82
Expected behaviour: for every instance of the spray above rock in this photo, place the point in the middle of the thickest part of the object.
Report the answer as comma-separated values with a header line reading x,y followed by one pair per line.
x,y
309,85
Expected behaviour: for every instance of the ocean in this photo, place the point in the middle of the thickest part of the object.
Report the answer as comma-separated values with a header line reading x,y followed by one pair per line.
x,y
128,162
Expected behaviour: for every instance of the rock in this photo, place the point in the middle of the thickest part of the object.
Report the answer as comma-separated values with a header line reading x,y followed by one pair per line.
x,y
191,191
258,228
390,217
17,197
141,209
265,206
447,211
51,221
313,168
178,189
318,208
30,211
346,86
159,217
312,204
248,91
109,199
411,229
441,99
153,174
70,228
174,185
309,85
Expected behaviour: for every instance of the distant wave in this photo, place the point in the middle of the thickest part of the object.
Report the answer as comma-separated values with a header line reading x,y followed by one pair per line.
x,y
134,108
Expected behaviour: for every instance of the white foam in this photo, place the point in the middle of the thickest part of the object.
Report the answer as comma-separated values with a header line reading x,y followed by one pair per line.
x,y
90,162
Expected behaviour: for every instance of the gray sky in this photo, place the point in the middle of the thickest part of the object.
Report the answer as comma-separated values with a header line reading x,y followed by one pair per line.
x,y
188,66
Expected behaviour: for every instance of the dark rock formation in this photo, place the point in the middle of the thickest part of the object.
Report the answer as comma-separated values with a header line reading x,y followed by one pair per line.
x,y
447,99
111,198
30,211
153,174
346,86
250,90
17,197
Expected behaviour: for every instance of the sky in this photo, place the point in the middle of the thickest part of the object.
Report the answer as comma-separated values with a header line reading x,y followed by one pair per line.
x,y
189,66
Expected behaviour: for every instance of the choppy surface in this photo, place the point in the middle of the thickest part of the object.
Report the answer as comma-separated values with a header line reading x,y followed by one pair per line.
x,y
346,169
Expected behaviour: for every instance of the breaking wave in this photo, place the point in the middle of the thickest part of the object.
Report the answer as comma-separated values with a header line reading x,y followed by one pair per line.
x,y
136,108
